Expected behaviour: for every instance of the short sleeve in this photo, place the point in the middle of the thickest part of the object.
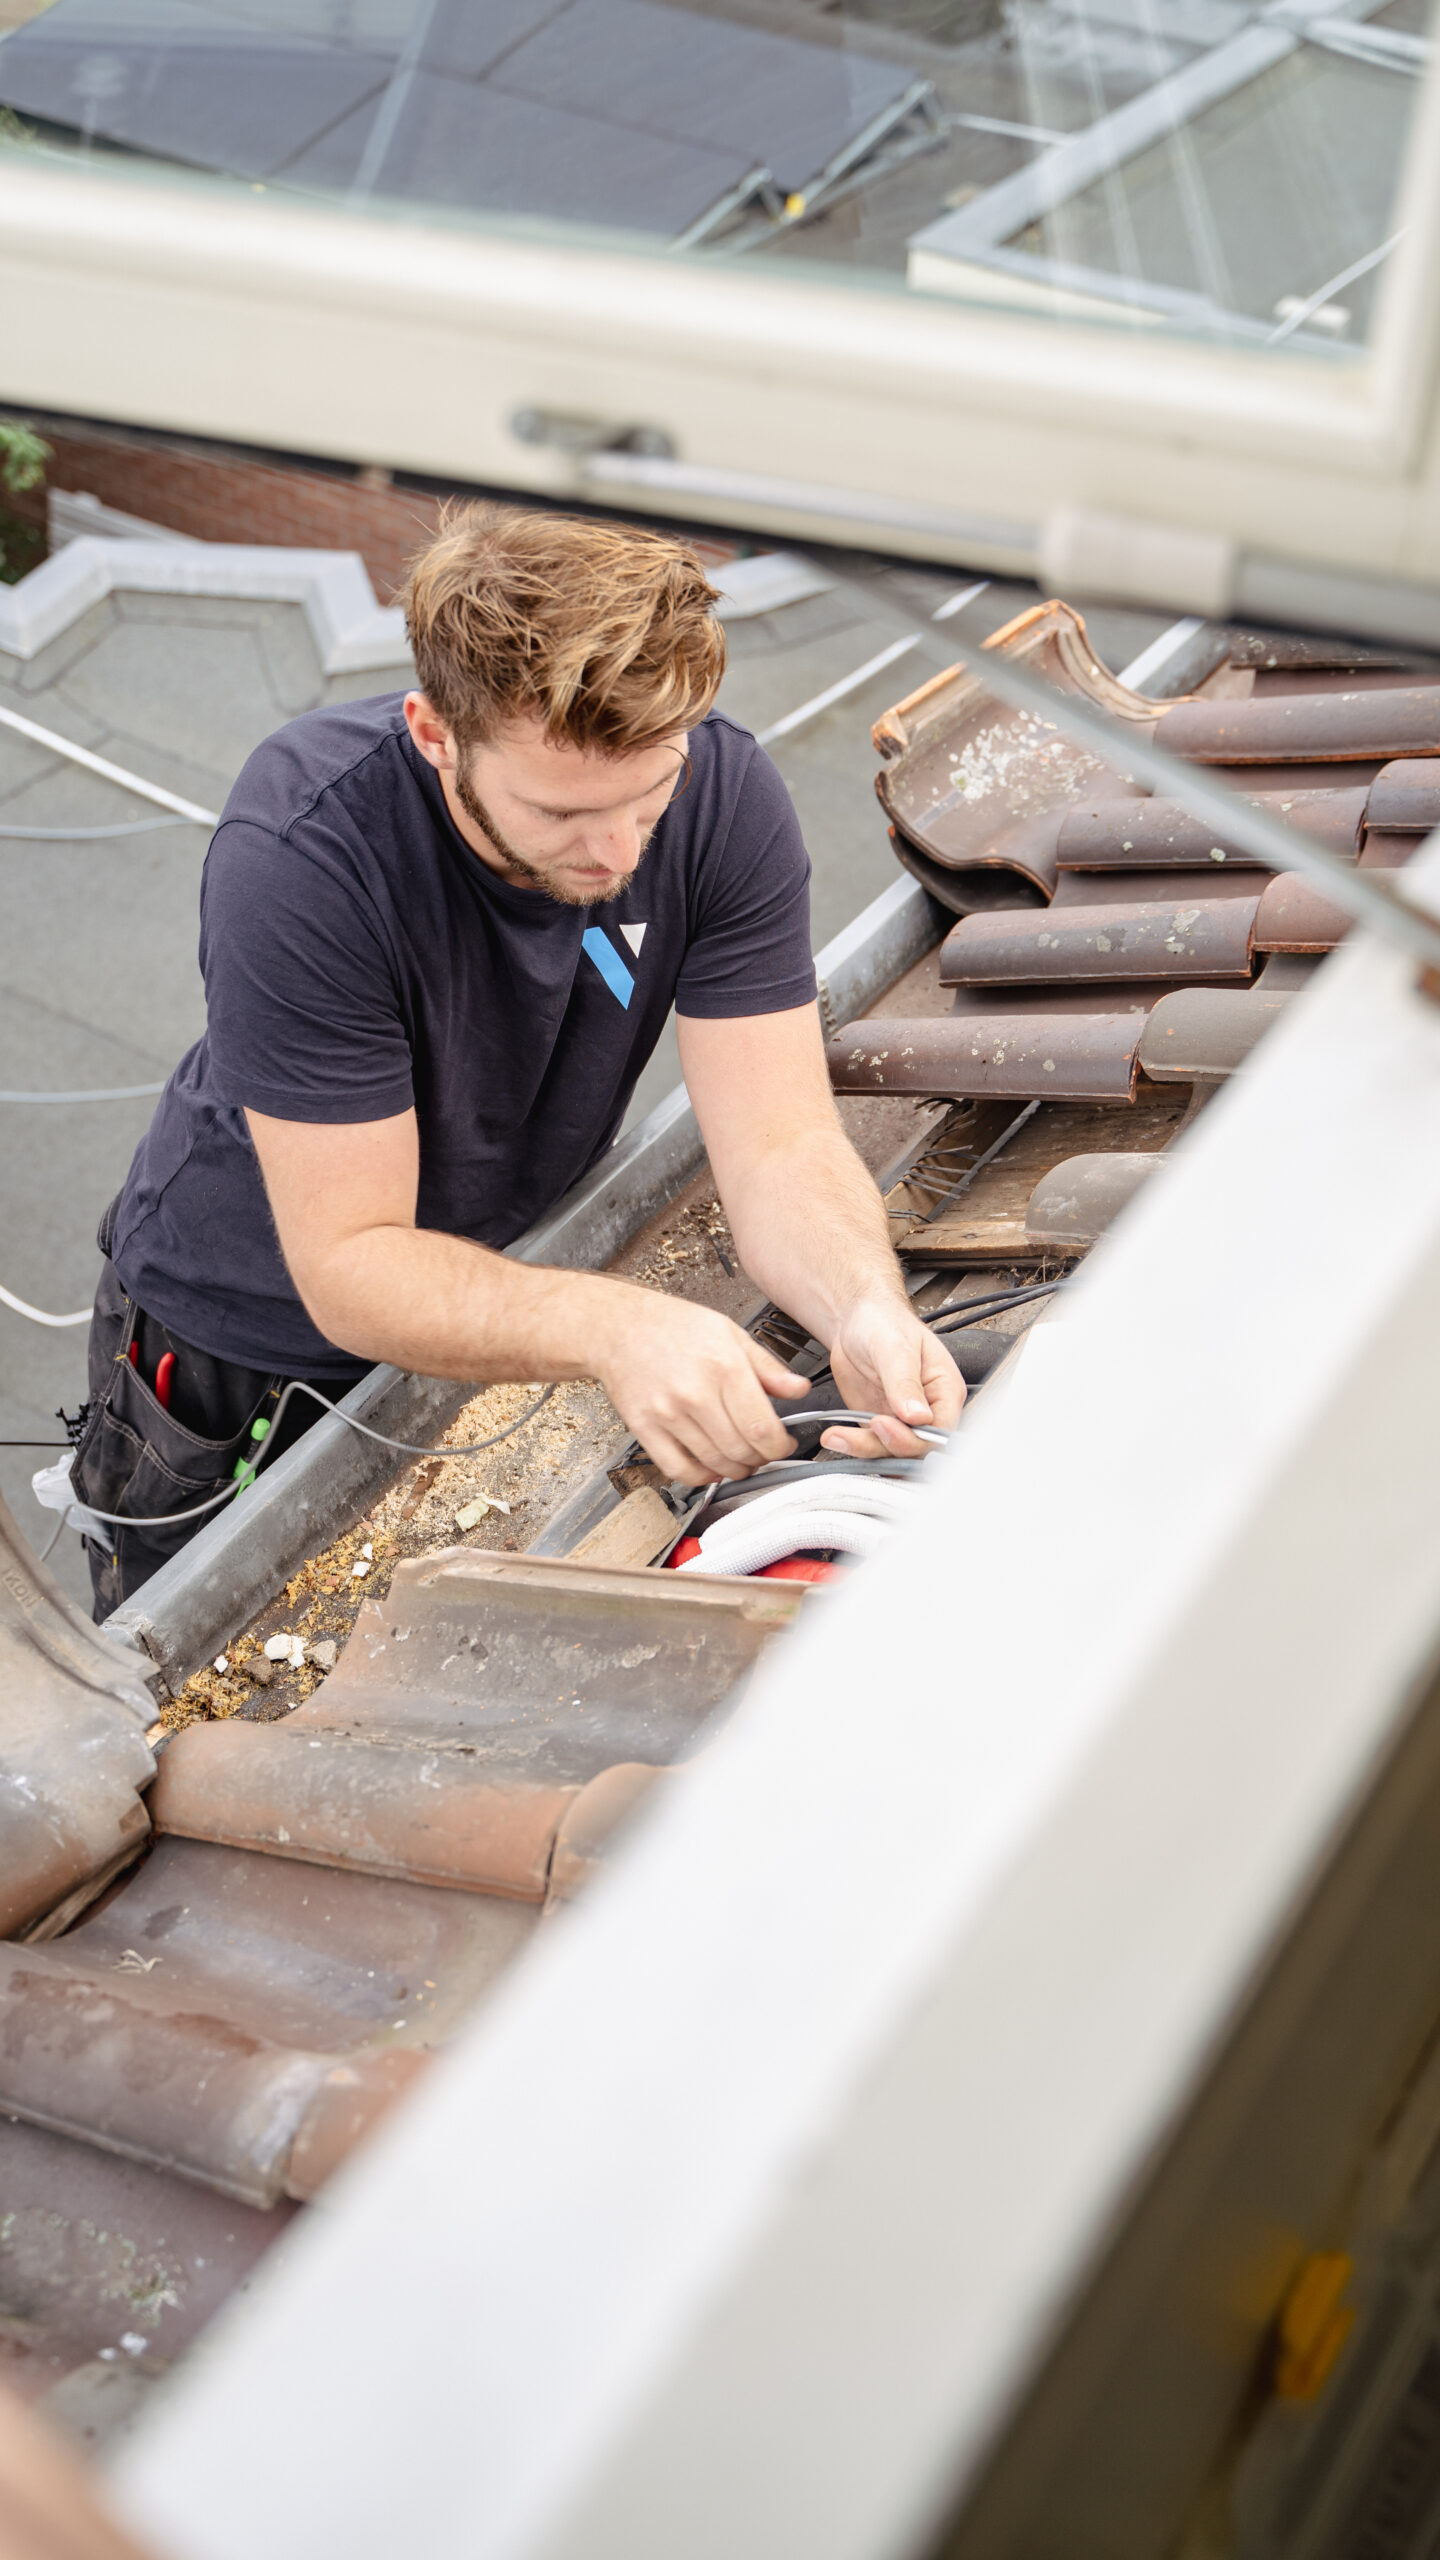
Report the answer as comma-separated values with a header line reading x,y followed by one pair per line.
x,y
749,950
305,1020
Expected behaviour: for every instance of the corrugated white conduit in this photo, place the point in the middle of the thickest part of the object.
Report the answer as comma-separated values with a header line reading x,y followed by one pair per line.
x,y
852,1514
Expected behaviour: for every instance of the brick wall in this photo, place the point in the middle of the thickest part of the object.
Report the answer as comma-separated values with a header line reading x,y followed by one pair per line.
x,y
226,498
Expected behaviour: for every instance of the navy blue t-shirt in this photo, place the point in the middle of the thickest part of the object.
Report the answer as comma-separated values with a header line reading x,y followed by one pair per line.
x,y
359,958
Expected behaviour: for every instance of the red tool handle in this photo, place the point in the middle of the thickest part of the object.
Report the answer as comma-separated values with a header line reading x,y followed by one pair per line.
x,y
165,1378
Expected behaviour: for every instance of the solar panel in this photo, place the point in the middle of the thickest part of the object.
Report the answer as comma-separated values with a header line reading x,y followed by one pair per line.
x,y
199,90
462,143
770,99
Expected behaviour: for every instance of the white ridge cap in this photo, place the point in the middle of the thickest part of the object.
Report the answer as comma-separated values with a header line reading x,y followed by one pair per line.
x,y
351,631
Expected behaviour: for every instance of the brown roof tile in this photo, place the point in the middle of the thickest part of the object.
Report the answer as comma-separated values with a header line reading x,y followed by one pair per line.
x,y
1079,1057
194,2020
301,1789
1143,888
1209,938
1306,728
95,2248
73,1754
471,1706
1405,797
1386,849
593,1821
972,785
1204,1033
1076,1201
1296,916
1160,835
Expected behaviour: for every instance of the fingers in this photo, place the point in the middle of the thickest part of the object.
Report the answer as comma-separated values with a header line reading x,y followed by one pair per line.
x,y
775,1379
889,1364
693,1391
900,1359
677,1463
854,1444
696,1445
944,1384
884,1438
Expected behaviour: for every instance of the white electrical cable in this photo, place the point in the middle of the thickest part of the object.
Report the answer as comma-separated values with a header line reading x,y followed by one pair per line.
x,y
956,604
97,1093
50,1483
37,1315
108,772
90,835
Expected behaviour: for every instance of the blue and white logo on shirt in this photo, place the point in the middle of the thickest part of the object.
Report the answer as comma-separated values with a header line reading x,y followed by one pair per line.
x,y
599,948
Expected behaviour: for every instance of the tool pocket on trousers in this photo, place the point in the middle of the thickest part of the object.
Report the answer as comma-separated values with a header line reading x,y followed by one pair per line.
x,y
136,1459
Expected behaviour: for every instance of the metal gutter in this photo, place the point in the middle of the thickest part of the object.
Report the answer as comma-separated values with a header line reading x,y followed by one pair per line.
x,y
234,1564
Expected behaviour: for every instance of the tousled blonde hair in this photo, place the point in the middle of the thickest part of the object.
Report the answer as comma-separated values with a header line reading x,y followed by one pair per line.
x,y
604,633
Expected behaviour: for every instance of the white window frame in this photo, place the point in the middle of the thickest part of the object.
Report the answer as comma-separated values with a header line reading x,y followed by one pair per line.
x,y
797,403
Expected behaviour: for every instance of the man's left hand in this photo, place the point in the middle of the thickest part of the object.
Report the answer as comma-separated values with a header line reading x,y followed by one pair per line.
x,y
887,1363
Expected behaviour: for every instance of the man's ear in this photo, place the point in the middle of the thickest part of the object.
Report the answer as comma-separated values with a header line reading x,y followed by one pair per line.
x,y
431,736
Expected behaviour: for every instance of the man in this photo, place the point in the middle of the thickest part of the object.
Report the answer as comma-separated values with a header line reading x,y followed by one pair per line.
x,y
440,937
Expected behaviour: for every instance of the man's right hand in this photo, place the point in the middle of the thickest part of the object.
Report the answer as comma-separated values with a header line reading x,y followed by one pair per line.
x,y
693,1388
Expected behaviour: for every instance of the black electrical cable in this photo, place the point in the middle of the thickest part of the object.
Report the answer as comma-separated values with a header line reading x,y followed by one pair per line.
x,y
975,1309
923,1430
35,1444
299,1386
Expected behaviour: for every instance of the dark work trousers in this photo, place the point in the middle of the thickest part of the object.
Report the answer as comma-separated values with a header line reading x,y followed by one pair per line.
x,y
136,1457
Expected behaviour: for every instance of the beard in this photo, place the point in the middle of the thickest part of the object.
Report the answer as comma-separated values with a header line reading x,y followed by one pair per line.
x,y
528,872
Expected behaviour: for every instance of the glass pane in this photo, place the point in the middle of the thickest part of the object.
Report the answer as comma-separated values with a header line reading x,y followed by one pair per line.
x,y
1206,165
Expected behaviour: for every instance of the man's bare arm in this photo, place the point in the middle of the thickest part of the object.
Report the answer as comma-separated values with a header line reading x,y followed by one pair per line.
x,y
691,1386
809,1221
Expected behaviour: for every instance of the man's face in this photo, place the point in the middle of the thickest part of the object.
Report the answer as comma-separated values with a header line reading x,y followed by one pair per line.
x,y
570,823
